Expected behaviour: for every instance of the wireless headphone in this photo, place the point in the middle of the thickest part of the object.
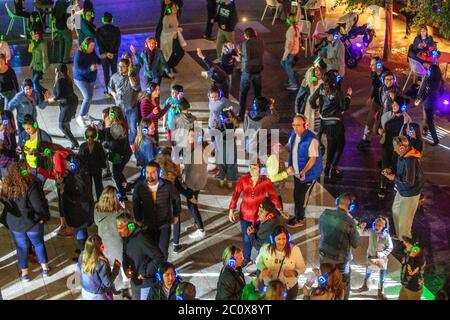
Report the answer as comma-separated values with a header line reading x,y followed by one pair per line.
x,y
383,76
159,273
385,229
284,292
47,151
2,37
335,37
95,138
73,166
288,21
112,115
145,130
180,291
24,172
415,250
231,263
169,9
323,278
378,63
403,107
35,124
351,206
103,19
272,237
160,173
199,137
5,122
220,93
84,15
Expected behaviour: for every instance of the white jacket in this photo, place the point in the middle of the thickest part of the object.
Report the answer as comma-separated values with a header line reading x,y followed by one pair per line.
x,y
273,261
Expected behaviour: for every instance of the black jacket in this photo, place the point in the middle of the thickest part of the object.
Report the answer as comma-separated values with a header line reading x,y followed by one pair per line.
x,y
376,85
25,213
60,14
119,147
8,81
156,292
331,107
77,202
108,39
96,160
230,284
168,204
142,255
227,15
252,55
264,229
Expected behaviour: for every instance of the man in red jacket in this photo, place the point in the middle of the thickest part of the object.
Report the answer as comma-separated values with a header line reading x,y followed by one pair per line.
x,y
254,189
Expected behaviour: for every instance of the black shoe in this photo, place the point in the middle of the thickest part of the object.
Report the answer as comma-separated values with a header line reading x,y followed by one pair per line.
x,y
209,38
177,248
381,193
75,148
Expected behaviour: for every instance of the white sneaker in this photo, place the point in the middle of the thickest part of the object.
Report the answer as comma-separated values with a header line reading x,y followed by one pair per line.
x,y
197,234
81,122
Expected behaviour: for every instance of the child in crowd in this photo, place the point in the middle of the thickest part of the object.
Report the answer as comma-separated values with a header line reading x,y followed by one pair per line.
x,y
230,56
171,104
216,74
94,156
276,169
75,13
380,246
182,124
228,169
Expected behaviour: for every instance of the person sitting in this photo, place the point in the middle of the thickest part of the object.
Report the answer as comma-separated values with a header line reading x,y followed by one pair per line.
x,y
422,45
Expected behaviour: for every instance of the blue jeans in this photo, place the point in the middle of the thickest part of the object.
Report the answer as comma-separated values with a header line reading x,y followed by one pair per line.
x,y
346,271
287,65
23,239
87,90
132,121
37,77
246,78
246,243
383,273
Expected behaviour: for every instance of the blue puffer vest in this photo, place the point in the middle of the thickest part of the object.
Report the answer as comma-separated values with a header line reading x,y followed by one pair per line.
x,y
302,155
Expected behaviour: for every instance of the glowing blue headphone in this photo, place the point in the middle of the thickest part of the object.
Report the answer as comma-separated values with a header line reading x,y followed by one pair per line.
x,y
200,137
284,292
385,229
272,238
323,278
338,78
351,206
221,118
5,122
219,92
335,36
379,64
159,276
403,107
145,130
231,263
118,196
160,173
73,166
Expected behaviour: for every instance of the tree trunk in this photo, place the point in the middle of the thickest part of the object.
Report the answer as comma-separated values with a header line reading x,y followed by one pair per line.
x,y
389,8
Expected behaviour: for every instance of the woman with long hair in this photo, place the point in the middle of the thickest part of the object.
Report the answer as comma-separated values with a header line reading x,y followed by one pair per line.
x,y
26,211
107,209
431,88
281,260
68,102
331,102
172,41
8,145
145,144
85,74
331,285
96,276
291,48
153,62
150,106
118,146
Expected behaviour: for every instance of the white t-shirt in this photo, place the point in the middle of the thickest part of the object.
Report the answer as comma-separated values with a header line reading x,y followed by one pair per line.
x,y
154,188
313,152
77,17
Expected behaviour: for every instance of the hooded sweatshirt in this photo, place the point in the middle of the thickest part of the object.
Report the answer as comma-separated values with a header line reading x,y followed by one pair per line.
x,y
409,178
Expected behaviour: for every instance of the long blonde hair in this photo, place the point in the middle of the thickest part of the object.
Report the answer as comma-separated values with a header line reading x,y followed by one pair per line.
x,y
140,136
108,201
92,254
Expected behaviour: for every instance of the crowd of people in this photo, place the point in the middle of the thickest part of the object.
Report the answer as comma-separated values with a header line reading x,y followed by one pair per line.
x,y
134,240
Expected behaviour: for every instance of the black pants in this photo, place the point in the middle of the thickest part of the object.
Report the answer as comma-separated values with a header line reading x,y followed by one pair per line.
x,y
212,10
98,183
246,79
193,208
409,19
177,54
118,176
429,120
292,293
388,160
302,191
109,65
335,142
65,128
162,237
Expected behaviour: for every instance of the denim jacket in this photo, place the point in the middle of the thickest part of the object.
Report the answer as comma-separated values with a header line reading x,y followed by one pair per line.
x,y
24,106
102,278
338,234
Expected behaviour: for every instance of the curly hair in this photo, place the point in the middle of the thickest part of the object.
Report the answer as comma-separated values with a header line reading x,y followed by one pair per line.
x,y
17,182
108,201
170,170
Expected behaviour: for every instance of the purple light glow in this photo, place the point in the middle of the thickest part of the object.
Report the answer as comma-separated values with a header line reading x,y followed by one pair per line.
x,y
359,45
446,102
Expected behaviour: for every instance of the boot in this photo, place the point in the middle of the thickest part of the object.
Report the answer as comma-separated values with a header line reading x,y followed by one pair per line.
x,y
364,288
381,294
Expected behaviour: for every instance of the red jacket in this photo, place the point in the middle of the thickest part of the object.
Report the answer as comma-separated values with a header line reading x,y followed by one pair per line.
x,y
252,197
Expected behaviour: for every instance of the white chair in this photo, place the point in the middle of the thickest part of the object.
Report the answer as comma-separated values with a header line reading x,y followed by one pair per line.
x,y
12,18
272,4
415,69
305,34
314,5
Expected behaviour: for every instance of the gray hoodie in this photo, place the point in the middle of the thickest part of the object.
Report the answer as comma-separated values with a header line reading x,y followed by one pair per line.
x,y
255,124
195,172
183,122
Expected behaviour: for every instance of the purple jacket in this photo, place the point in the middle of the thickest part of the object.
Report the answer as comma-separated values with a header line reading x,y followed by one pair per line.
x,y
8,152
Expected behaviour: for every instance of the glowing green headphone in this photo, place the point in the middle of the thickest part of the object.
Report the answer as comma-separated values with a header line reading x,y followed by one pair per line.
x,y
288,21
112,115
93,15
24,172
35,124
96,134
169,9
2,37
103,19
